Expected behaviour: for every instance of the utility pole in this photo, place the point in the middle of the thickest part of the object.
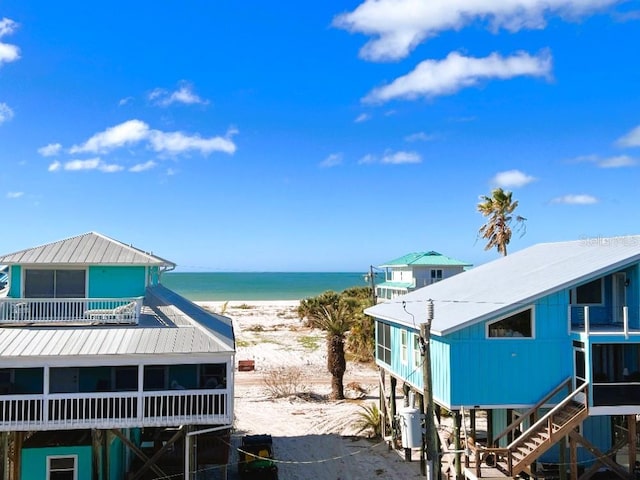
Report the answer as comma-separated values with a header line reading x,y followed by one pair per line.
x,y
431,435
372,281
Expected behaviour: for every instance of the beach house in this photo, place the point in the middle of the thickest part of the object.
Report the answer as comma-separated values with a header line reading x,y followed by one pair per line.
x,y
106,374
415,270
544,343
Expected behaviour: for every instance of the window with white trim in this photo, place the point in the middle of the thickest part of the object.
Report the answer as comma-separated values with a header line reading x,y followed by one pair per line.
x,y
517,325
404,347
62,467
436,275
383,342
417,353
591,293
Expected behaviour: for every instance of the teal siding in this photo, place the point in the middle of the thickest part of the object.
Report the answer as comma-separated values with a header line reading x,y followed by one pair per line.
x,y
114,282
15,277
116,458
485,370
34,461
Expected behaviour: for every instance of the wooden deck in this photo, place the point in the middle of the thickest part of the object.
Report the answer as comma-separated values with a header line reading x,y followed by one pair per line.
x,y
486,473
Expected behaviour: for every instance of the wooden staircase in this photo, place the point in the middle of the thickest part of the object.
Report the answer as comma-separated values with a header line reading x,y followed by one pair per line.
x,y
526,447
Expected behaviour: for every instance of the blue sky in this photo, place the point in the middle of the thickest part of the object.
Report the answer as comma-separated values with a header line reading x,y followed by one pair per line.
x,y
262,136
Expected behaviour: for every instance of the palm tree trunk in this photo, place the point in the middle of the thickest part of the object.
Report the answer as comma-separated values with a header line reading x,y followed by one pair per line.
x,y
336,364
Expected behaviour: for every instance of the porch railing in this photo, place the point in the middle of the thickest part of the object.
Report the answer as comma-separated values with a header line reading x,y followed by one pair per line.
x,y
70,310
114,410
604,320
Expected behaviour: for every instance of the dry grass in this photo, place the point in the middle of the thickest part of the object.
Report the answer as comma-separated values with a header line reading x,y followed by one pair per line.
x,y
284,382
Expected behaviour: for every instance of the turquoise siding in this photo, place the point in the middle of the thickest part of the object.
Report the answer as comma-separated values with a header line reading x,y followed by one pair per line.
x,y
107,282
15,277
34,461
485,371
116,458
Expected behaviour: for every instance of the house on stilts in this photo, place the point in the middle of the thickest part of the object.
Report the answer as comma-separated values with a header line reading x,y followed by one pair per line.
x,y
106,374
544,344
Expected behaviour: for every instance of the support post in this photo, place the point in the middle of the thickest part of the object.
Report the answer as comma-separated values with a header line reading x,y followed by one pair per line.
x,y
433,454
573,458
423,462
392,409
457,444
489,428
472,421
632,439
383,404
187,455
562,444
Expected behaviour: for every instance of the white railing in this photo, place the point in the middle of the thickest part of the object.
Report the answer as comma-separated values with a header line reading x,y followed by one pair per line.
x,y
65,310
113,410
604,320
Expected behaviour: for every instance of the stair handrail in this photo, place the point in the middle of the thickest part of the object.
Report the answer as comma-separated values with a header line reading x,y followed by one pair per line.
x,y
516,423
546,417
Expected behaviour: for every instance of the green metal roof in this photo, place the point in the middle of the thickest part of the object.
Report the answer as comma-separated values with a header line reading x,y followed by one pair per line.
x,y
404,285
425,258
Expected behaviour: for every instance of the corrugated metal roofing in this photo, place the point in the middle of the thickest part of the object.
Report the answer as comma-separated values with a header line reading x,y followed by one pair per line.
x,y
88,249
518,279
164,329
425,259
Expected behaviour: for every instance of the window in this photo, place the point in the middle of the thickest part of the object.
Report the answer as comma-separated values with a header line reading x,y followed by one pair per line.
x,y
155,378
126,379
40,283
518,325
404,347
436,275
213,375
417,353
383,339
62,468
588,294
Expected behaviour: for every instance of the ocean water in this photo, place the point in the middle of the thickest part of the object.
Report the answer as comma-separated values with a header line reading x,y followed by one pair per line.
x,y
220,286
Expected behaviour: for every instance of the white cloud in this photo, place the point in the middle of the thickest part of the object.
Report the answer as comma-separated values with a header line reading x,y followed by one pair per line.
x,y
55,166
398,26
631,139
141,167
184,94
88,164
178,142
367,159
129,132
576,199
133,132
50,150
619,161
332,160
14,194
512,178
399,158
420,137
6,113
124,101
363,117
8,52
432,78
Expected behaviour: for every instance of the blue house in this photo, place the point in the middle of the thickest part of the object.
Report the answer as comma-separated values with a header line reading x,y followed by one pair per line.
x,y
416,270
106,374
545,342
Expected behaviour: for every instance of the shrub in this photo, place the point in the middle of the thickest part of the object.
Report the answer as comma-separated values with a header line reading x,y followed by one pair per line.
x,y
284,381
368,419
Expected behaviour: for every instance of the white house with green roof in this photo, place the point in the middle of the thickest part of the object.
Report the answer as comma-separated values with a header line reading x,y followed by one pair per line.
x,y
416,270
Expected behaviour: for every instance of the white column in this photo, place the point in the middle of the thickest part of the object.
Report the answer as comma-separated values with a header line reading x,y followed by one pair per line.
x,y
45,394
140,412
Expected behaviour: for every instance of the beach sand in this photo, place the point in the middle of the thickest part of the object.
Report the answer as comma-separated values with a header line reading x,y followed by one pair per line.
x,y
313,438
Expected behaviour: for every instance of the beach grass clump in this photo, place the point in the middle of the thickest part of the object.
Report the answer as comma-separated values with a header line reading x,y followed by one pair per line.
x,y
244,306
368,420
242,343
284,381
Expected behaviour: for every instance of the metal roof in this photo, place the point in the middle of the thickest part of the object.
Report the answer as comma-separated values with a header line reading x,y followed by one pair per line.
x,y
88,249
424,259
517,280
165,329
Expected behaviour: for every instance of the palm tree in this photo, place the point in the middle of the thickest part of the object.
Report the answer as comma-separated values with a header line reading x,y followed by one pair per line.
x,y
336,319
499,208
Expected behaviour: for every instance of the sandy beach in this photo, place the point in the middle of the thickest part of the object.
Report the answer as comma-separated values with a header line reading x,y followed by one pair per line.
x,y
313,437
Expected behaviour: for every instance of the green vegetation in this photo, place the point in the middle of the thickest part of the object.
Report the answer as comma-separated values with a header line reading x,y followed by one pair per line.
x,y
340,314
499,208
309,342
368,419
